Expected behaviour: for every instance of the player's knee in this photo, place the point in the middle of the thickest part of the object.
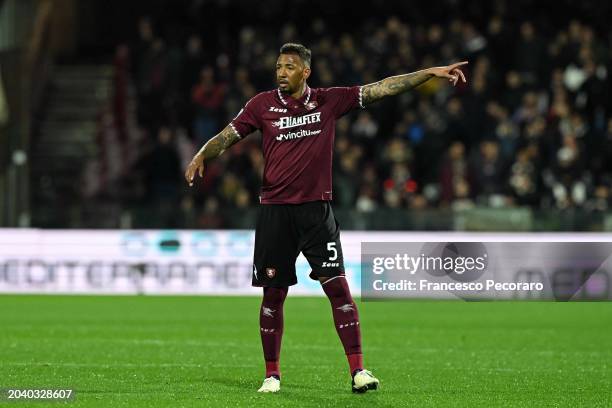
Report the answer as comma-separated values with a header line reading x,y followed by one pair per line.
x,y
275,296
338,290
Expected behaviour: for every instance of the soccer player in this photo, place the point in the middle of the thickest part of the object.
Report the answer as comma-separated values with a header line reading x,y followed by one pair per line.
x,y
298,124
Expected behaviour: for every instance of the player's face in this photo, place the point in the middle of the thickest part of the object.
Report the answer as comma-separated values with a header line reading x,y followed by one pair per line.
x,y
291,73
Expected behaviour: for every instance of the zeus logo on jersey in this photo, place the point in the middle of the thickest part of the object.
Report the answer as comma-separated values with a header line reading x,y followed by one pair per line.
x,y
294,121
280,110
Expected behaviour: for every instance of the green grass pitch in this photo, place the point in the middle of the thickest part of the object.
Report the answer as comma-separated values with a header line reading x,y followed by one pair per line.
x,y
205,351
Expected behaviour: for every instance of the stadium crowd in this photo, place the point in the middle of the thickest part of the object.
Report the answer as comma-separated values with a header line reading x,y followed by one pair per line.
x,y
532,127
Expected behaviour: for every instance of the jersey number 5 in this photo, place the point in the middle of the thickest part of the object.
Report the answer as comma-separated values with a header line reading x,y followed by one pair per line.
x,y
331,247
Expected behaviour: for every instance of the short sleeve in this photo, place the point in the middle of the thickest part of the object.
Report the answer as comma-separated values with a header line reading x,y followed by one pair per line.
x,y
246,122
345,99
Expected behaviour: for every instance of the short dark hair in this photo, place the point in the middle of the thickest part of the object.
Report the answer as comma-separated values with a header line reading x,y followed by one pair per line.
x,y
293,48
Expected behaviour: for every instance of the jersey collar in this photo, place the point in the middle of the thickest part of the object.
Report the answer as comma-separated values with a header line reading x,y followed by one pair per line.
x,y
307,92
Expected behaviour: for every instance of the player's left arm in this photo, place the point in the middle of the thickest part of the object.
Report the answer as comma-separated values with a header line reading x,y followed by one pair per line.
x,y
402,83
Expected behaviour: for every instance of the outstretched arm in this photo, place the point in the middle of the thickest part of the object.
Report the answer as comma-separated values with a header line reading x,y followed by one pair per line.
x,y
401,83
213,148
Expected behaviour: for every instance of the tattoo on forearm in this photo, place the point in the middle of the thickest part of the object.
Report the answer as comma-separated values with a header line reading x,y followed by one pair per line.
x,y
218,144
393,85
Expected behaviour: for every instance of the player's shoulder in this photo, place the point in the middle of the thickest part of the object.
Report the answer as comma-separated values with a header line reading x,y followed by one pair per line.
x,y
261,99
264,97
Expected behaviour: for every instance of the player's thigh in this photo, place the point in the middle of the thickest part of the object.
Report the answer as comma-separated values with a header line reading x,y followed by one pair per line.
x,y
321,245
276,247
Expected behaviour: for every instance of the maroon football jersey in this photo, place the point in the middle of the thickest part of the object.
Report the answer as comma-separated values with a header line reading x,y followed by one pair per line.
x,y
298,140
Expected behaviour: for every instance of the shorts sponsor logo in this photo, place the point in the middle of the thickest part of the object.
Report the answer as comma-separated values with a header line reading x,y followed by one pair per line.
x,y
270,272
286,122
330,264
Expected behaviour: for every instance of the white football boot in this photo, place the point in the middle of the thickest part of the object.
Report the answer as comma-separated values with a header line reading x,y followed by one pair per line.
x,y
363,380
271,384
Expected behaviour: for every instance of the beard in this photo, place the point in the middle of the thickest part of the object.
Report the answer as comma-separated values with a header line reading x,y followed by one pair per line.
x,y
286,89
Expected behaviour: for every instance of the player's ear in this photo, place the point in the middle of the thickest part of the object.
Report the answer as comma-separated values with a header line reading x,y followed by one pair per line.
x,y
306,73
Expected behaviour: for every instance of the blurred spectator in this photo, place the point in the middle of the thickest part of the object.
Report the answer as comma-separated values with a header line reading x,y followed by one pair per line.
x,y
207,97
489,175
365,129
163,174
524,177
454,174
151,83
529,55
195,59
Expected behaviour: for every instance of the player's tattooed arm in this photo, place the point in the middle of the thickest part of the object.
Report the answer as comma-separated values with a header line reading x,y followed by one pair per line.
x,y
402,83
213,148
219,143
393,85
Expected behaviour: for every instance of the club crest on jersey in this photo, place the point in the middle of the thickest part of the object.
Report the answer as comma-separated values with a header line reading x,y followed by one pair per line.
x,y
270,272
311,105
294,121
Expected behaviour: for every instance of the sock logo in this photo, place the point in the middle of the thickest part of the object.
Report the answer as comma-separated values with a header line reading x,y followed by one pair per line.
x,y
346,308
270,272
267,311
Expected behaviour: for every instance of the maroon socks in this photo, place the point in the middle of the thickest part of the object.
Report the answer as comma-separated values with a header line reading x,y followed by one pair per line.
x,y
271,327
346,319
345,315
